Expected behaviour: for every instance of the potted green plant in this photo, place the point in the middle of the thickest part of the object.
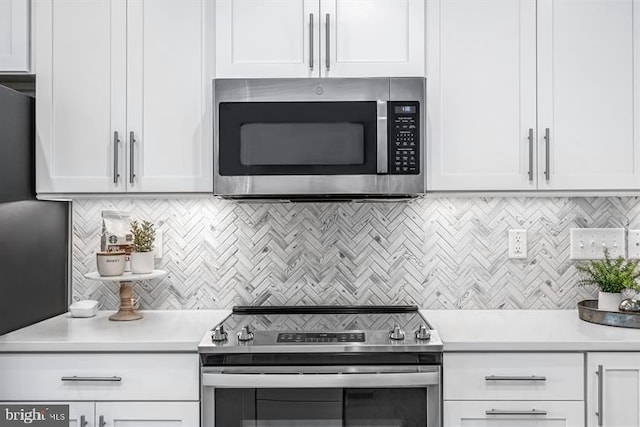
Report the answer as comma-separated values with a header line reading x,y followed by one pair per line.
x,y
144,236
611,277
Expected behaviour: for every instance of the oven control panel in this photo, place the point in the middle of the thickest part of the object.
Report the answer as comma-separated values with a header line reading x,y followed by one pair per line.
x,y
404,137
314,337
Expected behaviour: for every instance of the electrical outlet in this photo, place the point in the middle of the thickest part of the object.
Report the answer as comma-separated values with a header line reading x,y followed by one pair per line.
x,y
633,244
157,248
589,243
517,243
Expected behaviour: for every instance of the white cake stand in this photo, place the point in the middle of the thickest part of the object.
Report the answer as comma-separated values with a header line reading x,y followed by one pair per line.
x,y
127,310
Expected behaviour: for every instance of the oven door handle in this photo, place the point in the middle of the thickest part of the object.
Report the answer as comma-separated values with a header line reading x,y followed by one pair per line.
x,y
345,380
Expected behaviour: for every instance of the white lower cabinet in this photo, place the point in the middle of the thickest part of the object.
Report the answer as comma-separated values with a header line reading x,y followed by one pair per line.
x,y
613,389
127,414
107,390
80,413
134,414
513,389
492,413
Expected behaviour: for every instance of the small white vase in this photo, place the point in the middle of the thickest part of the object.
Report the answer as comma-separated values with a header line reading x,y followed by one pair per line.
x,y
141,262
609,301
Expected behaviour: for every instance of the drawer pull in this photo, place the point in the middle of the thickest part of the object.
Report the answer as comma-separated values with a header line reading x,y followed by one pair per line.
x,y
75,378
503,412
514,378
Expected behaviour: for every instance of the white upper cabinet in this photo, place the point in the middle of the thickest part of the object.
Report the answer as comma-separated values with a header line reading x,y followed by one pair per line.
x,y
267,38
526,95
123,96
372,38
81,83
167,97
588,94
481,94
14,36
319,38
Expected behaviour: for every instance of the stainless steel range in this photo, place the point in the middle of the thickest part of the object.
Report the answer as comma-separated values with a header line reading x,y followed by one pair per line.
x,y
322,366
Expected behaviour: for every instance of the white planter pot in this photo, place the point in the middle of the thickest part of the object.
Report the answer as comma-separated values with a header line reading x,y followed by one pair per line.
x,y
609,301
141,262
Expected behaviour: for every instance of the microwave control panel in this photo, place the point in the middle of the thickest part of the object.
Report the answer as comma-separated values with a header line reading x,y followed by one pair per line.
x,y
404,137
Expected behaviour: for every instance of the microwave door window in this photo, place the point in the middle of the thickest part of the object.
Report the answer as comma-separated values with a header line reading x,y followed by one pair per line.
x,y
301,144
303,138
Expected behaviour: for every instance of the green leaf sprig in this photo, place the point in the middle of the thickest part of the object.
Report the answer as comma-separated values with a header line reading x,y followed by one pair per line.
x,y
143,236
610,275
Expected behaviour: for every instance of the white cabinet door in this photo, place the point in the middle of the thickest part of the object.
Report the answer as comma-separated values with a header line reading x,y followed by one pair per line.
x,y
372,38
267,38
81,414
124,96
81,84
319,38
168,95
144,414
461,413
14,36
588,94
481,107
613,389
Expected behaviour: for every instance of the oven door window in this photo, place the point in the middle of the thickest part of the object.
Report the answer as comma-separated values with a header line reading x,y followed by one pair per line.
x,y
297,138
321,407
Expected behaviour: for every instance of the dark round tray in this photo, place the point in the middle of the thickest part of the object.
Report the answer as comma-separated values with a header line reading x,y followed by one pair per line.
x,y
588,311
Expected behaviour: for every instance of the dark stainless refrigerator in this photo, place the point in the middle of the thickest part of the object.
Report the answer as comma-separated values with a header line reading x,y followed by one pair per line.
x,y
34,235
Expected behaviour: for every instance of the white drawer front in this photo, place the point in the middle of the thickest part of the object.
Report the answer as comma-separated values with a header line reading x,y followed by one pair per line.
x,y
544,413
513,376
147,376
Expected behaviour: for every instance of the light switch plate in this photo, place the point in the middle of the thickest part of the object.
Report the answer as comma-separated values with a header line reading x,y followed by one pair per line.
x,y
633,244
589,243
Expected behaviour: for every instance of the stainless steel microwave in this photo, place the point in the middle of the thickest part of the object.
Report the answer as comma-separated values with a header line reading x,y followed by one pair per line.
x,y
319,138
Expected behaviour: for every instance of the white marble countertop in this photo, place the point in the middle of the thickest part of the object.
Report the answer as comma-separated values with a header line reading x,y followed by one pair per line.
x,y
158,330
527,330
460,330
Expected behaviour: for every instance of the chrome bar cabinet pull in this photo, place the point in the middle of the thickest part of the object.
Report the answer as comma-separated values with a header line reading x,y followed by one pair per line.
x,y
132,141
531,155
116,142
311,41
101,421
85,379
547,139
599,373
328,41
535,412
514,378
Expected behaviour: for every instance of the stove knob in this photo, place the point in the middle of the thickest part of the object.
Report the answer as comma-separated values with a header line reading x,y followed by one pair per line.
x,y
219,334
245,334
423,334
396,333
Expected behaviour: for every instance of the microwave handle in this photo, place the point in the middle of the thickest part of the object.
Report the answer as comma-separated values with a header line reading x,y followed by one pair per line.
x,y
382,141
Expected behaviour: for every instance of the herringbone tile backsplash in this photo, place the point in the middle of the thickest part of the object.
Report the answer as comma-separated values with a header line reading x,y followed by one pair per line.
x,y
434,252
